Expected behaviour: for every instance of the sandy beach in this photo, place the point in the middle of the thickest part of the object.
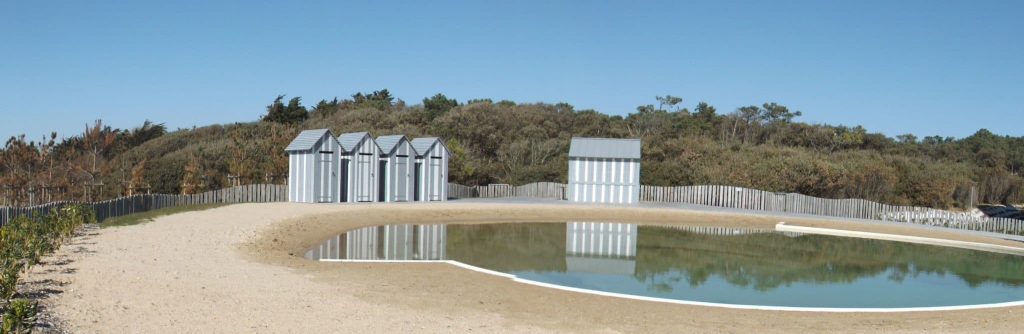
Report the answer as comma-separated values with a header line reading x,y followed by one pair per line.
x,y
238,269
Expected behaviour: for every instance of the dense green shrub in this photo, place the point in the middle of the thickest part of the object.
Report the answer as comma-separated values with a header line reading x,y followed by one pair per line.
x,y
764,147
23,242
19,316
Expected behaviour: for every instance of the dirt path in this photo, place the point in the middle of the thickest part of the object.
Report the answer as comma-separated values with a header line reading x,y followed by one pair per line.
x,y
231,269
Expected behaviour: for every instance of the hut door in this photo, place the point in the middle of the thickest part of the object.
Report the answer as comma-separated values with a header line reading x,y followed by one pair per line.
x,y
401,179
323,185
364,177
344,180
382,182
435,186
416,181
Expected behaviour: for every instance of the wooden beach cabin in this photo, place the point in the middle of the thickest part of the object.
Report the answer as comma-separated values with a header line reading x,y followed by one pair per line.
x,y
359,167
431,170
604,170
313,162
398,161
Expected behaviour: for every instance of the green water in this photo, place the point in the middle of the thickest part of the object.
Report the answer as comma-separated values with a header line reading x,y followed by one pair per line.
x,y
730,266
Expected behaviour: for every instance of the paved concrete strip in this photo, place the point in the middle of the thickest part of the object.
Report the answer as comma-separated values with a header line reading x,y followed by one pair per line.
x,y
782,227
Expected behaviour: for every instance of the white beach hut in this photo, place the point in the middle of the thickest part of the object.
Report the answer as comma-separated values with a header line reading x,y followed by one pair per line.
x,y
603,170
359,168
398,163
431,169
313,160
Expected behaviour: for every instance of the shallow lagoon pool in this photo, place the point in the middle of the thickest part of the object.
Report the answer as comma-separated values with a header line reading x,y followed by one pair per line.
x,y
703,264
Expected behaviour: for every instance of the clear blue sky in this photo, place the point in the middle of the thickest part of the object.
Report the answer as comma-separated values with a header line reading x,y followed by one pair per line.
x,y
922,67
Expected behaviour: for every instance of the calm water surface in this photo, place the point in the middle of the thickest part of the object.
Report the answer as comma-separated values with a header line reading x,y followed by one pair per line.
x,y
719,265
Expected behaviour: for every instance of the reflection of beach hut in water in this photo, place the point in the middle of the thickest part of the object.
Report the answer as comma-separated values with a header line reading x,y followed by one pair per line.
x,y
603,248
398,161
431,176
313,160
359,167
389,242
429,242
603,170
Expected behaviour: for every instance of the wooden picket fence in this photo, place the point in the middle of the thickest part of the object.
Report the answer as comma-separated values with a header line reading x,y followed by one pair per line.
x,y
533,190
753,199
759,200
254,193
710,195
727,231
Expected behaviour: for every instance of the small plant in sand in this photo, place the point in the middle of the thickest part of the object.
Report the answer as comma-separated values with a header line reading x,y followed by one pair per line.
x,y
20,316
24,241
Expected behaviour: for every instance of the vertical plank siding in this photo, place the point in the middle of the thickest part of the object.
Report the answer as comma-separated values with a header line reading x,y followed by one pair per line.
x,y
433,174
254,193
600,180
759,200
460,191
549,190
326,188
311,173
362,171
400,169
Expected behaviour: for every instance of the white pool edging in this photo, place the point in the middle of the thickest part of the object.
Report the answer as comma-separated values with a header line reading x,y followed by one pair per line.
x,y
782,227
515,278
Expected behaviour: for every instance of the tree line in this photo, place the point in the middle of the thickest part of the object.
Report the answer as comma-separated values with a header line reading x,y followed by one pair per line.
x,y
758,146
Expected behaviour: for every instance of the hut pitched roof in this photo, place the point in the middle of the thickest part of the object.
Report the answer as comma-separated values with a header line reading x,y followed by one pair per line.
x,y
388,144
350,140
424,144
307,139
607,148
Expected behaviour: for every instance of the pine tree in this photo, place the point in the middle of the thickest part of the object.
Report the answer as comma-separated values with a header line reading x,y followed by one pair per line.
x,y
291,113
437,105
